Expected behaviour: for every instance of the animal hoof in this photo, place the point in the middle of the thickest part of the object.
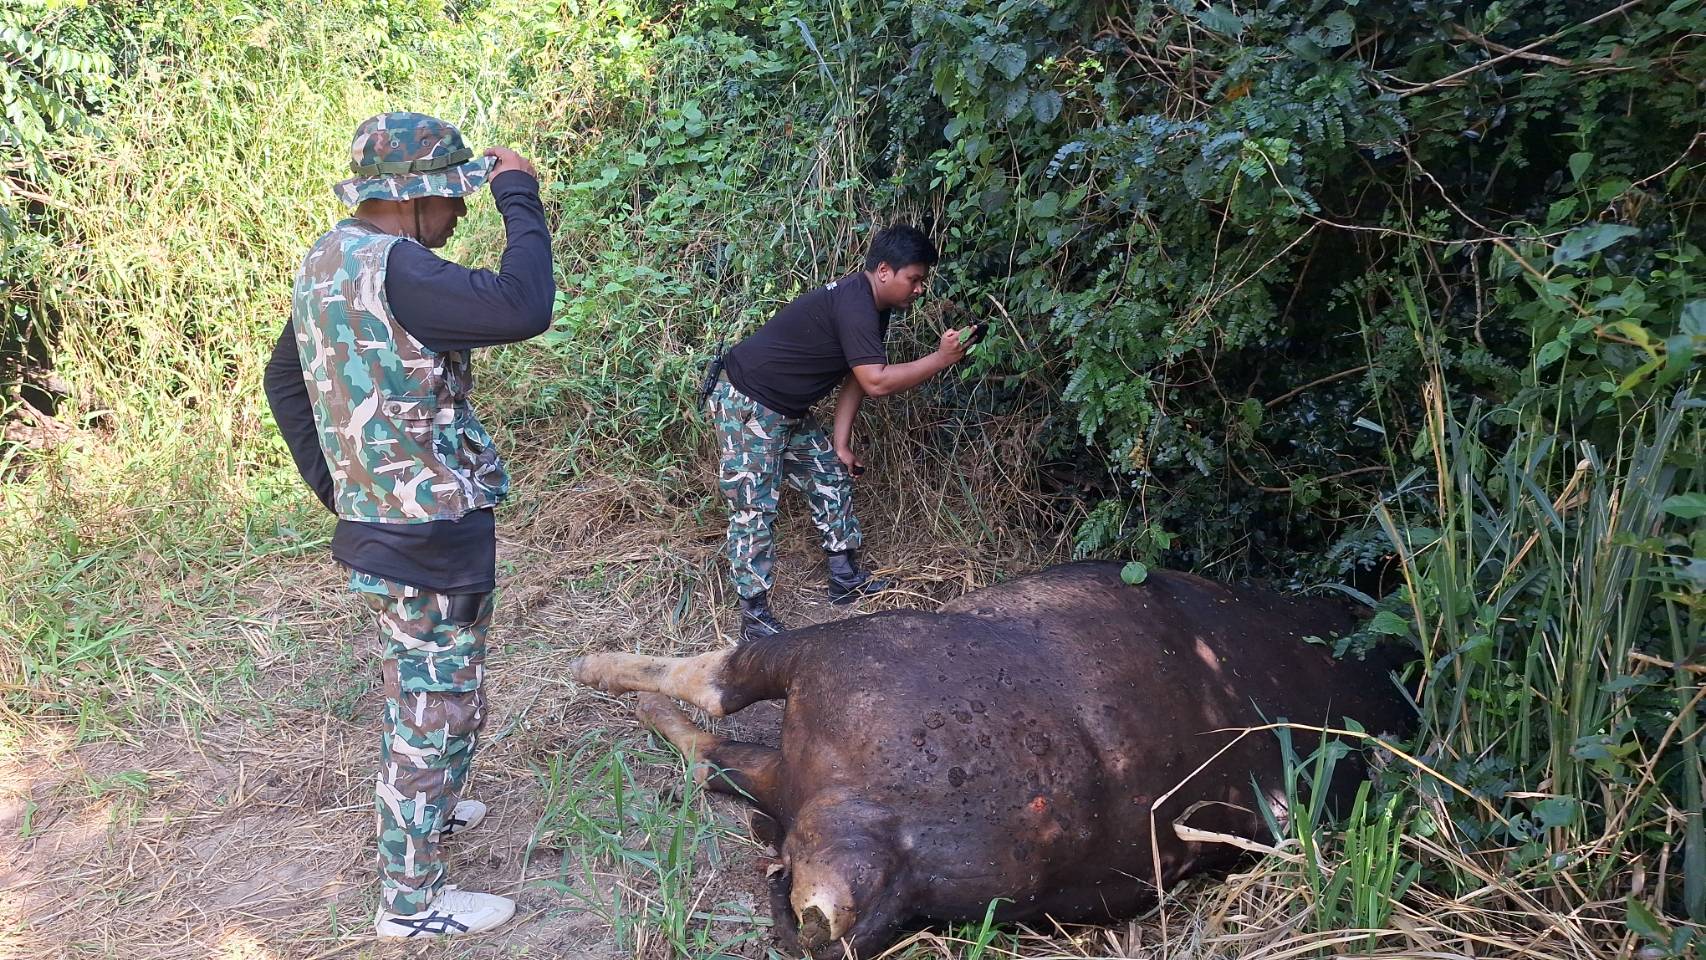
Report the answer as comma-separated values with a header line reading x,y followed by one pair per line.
x,y
654,710
597,672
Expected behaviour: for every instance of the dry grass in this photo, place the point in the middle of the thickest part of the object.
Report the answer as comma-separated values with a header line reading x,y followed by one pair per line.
x,y
237,824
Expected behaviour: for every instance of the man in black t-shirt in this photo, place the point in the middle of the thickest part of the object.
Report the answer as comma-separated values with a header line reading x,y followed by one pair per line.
x,y
828,337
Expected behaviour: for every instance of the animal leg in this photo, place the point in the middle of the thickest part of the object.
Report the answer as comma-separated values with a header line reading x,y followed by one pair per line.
x,y
694,679
748,770
718,683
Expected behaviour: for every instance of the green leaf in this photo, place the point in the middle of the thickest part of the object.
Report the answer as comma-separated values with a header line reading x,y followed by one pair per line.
x,y
1638,376
1010,60
1015,102
1579,164
1045,105
1390,624
1337,29
1585,241
944,80
1046,205
1556,812
1221,20
1642,920
1627,683
1688,506
1134,573
1251,412
1549,353
1561,210
1694,318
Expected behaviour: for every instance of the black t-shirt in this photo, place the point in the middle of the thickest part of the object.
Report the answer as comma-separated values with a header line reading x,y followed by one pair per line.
x,y
447,307
810,345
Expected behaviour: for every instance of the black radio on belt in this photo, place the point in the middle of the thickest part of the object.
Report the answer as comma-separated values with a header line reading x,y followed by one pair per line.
x,y
465,608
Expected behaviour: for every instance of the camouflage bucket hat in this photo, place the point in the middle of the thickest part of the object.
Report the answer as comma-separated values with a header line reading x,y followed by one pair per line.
x,y
401,156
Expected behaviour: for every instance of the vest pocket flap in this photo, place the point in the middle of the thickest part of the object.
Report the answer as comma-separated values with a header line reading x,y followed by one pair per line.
x,y
410,408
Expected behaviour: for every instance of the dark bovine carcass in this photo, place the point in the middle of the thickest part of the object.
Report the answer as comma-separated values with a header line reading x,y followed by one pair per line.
x,y
1011,745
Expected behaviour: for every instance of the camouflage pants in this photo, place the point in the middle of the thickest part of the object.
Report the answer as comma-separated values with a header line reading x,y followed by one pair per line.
x,y
434,709
760,449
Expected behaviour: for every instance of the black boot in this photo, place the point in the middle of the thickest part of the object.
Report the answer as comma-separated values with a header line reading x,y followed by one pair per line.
x,y
756,619
847,582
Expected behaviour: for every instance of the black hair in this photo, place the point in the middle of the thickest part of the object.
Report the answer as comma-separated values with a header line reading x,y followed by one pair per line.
x,y
900,246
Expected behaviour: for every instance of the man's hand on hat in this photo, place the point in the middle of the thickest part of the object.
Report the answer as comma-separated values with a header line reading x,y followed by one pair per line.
x,y
508,159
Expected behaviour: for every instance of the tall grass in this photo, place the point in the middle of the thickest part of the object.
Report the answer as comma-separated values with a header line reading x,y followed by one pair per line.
x,y
185,214
1550,585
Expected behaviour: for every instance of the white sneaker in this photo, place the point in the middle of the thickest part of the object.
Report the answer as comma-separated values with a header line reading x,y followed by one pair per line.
x,y
465,817
454,912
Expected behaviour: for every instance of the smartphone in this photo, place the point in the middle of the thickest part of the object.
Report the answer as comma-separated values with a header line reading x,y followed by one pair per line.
x,y
976,333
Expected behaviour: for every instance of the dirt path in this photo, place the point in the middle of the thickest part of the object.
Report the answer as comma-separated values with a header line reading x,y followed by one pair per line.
x,y
235,820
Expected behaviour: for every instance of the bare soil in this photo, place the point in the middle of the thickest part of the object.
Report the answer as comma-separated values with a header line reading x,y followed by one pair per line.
x,y
241,825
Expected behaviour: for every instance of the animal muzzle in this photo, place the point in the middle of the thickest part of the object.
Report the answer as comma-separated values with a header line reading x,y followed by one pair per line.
x,y
823,907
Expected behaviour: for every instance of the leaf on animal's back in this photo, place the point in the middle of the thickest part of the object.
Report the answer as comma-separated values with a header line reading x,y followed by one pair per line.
x,y
1688,506
1134,573
1585,241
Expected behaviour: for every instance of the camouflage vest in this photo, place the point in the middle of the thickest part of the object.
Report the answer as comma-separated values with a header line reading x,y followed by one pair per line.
x,y
400,438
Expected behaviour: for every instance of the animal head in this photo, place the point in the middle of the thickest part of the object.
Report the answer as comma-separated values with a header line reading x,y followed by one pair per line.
x,y
846,873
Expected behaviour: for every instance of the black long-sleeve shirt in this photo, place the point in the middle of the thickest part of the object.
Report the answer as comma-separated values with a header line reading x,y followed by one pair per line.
x,y
447,307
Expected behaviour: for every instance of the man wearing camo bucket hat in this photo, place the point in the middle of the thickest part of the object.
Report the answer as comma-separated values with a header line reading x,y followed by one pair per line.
x,y
370,385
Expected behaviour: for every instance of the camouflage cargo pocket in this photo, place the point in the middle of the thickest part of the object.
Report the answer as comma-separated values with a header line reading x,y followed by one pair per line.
x,y
414,416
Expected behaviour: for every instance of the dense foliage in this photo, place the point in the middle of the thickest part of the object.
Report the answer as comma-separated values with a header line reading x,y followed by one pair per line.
x,y
1401,295
1179,219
